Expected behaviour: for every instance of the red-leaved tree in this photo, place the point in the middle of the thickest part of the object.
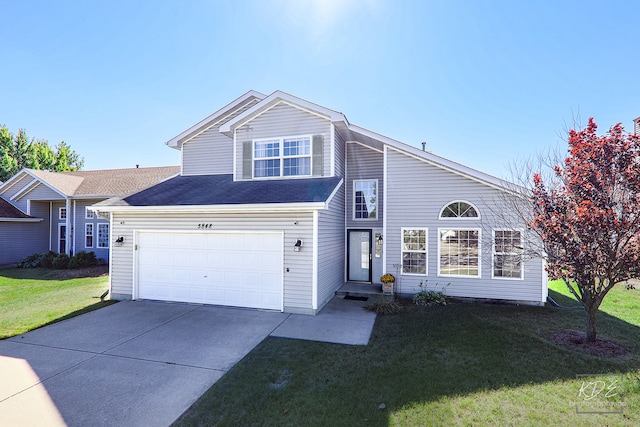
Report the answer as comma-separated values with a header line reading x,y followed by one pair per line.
x,y
589,217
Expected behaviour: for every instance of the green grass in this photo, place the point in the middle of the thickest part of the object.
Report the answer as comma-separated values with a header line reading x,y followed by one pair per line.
x,y
461,364
31,298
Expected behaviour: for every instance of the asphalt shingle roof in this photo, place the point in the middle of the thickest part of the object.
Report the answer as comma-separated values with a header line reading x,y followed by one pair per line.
x,y
7,210
106,182
222,190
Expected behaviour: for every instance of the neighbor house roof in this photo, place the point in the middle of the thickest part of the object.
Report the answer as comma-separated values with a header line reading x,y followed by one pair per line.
x,y
222,190
7,210
101,183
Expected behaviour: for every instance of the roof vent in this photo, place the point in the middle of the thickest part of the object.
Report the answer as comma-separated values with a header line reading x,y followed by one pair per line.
x,y
424,145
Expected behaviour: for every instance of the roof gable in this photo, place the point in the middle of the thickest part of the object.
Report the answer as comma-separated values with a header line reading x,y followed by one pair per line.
x,y
7,210
271,101
226,113
93,184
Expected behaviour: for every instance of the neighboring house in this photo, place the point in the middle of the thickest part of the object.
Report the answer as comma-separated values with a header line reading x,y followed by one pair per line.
x,y
42,211
281,201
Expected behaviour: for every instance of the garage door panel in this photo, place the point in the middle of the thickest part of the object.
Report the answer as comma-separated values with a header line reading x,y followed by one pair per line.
x,y
238,269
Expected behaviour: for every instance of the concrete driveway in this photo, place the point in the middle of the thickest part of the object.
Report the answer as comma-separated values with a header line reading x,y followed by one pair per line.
x,y
141,363
129,364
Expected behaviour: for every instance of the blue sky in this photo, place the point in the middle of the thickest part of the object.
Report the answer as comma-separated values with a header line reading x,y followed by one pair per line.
x,y
483,82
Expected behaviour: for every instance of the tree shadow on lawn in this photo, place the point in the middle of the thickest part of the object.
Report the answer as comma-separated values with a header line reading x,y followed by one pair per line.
x,y
426,357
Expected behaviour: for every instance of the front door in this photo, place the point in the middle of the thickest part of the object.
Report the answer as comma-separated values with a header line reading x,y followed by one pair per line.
x,y
62,238
359,256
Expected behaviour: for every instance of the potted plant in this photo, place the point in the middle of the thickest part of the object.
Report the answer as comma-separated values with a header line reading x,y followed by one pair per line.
x,y
387,283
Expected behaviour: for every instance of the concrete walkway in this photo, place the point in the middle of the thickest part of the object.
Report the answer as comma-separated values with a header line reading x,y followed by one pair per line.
x,y
144,363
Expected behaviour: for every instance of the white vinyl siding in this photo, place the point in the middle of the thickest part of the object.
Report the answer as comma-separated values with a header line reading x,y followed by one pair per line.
x,y
281,120
415,194
298,265
364,163
331,247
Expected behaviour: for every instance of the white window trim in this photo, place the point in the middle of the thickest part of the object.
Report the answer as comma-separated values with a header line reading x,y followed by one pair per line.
x,y
459,218
93,234
60,210
493,254
353,200
479,276
88,213
426,251
281,157
98,236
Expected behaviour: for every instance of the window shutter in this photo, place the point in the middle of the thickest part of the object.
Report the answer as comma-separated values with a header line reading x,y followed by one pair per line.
x,y
317,152
247,160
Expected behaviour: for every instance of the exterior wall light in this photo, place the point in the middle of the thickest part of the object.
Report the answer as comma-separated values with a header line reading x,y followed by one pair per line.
x,y
297,246
120,241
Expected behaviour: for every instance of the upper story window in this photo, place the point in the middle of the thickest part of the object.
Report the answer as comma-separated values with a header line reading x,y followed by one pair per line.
x,y
277,157
459,209
62,213
89,214
365,199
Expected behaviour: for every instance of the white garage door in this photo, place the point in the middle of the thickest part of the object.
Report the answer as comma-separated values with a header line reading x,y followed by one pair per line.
x,y
236,269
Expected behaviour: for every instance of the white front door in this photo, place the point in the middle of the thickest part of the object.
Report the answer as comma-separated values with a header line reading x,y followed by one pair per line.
x,y
359,256
243,269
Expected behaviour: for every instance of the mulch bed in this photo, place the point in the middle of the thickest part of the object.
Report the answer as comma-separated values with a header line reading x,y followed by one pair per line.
x,y
576,341
97,271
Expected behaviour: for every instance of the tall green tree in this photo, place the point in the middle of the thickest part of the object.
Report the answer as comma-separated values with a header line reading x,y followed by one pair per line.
x,y
17,151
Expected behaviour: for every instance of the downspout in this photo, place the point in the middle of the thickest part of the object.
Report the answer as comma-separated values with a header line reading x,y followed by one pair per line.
x,y
74,227
50,224
67,236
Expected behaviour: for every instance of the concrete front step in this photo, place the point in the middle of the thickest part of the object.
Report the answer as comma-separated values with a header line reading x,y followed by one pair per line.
x,y
359,290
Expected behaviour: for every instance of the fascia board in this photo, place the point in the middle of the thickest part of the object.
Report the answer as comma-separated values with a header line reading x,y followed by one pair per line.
x,y
334,192
15,179
20,219
441,162
261,208
25,190
46,184
175,141
273,99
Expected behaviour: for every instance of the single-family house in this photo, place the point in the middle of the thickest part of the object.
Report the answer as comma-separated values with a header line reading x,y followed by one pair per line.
x,y
44,211
281,201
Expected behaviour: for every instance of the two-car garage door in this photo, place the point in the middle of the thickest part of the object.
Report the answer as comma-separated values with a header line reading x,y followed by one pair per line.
x,y
225,268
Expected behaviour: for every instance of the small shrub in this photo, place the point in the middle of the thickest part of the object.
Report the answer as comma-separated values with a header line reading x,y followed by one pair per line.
x,y
385,306
47,259
83,260
426,297
61,262
31,261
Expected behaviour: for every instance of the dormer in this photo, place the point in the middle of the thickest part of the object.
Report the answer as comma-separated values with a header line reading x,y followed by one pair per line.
x,y
284,137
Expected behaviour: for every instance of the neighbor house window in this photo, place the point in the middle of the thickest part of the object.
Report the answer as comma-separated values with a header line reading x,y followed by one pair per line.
x,y
88,235
507,254
414,251
282,157
459,252
103,235
365,199
89,214
62,213
459,209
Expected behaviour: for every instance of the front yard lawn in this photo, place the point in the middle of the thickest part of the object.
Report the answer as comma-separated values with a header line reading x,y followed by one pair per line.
x,y
461,364
31,298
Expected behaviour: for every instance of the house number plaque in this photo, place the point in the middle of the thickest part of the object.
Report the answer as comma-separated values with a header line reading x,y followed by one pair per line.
x,y
205,226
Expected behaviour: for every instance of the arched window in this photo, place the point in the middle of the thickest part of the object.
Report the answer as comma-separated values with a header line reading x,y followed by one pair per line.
x,y
459,209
